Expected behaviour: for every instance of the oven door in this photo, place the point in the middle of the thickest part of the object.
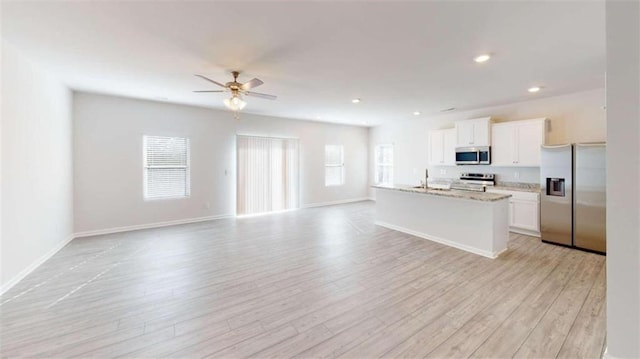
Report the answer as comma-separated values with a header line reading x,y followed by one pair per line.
x,y
467,156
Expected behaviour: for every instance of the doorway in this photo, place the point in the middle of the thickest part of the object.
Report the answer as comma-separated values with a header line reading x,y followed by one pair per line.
x,y
268,174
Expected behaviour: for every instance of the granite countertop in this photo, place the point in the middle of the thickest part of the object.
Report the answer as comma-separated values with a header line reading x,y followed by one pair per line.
x,y
503,186
517,186
476,196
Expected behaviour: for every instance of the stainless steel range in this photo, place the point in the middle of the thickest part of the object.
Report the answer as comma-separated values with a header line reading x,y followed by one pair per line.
x,y
475,182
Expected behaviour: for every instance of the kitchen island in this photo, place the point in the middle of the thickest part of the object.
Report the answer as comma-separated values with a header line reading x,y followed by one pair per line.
x,y
477,222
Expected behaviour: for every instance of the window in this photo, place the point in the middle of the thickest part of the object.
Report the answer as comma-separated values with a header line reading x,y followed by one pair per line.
x,y
384,164
166,167
268,174
333,165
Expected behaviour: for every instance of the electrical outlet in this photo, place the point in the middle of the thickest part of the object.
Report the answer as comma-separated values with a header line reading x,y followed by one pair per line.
x,y
516,174
443,171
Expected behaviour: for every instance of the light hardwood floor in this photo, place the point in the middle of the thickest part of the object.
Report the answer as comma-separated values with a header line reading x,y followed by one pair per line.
x,y
322,282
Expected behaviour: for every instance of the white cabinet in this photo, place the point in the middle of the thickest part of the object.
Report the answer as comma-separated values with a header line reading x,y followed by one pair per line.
x,y
476,132
442,147
524,211
524,214
517,143
502,144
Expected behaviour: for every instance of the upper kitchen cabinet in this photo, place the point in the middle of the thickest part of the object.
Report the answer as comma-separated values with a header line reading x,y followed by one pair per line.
x,y
473,133
442,147
518,143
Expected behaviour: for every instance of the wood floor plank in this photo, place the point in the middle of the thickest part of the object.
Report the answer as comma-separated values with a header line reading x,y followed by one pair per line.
x,y
548,336
255,344
473,333
342,341
507,339
204,346
296,344
487,298
585,340
455,307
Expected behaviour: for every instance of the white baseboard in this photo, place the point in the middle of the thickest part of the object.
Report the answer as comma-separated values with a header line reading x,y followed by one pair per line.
x,y
371,199
332,203
492,255
525,232
25,272
150,225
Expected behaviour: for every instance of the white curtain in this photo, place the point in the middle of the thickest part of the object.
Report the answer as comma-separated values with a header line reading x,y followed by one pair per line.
x,y
267,174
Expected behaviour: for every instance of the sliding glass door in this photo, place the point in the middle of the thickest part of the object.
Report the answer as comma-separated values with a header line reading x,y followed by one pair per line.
x,y
267,174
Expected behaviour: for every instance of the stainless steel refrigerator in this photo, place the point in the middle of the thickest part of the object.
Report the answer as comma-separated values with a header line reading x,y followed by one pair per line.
x,y
573,195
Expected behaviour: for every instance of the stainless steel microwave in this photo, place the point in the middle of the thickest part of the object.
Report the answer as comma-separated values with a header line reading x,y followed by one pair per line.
x,y
480,155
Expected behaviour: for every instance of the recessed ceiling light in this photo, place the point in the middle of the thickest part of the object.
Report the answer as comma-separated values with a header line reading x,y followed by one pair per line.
x,y
416,113
482,58
534,89
356,100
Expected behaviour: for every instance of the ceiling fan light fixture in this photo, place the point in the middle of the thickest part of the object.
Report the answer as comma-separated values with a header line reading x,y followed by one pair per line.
x,y
235,103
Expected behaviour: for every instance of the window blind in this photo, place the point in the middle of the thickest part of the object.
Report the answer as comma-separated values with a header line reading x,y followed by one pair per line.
x,y
267,174
166,167
384,164
333,165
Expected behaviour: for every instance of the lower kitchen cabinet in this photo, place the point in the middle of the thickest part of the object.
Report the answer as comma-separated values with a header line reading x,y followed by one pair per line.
x,y
525,215
524,211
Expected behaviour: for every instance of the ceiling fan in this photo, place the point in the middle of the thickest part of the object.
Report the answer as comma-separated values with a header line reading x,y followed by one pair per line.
x,y
237,90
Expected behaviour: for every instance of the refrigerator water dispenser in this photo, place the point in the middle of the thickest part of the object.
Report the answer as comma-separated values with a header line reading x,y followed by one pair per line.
x,y
555,187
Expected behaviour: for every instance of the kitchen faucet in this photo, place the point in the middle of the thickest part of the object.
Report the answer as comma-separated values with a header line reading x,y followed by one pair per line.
x,y
426,178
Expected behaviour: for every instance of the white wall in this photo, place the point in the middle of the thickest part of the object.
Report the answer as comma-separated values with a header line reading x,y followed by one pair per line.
x,y
37,183
623,180
1,99
577,117
108,159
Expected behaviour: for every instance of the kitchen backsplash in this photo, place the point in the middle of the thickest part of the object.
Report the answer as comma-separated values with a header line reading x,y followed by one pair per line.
x,y
503,174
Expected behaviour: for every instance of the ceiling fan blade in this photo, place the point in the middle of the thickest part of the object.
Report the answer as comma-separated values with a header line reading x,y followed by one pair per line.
x,y
210,80
209,91
261,95
251,84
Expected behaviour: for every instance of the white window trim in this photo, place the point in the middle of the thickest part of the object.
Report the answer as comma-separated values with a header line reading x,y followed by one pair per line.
x,y
146,167
383,164
340,165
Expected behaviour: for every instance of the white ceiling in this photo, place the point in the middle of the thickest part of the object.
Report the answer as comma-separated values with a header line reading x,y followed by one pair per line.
x,y
399,57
